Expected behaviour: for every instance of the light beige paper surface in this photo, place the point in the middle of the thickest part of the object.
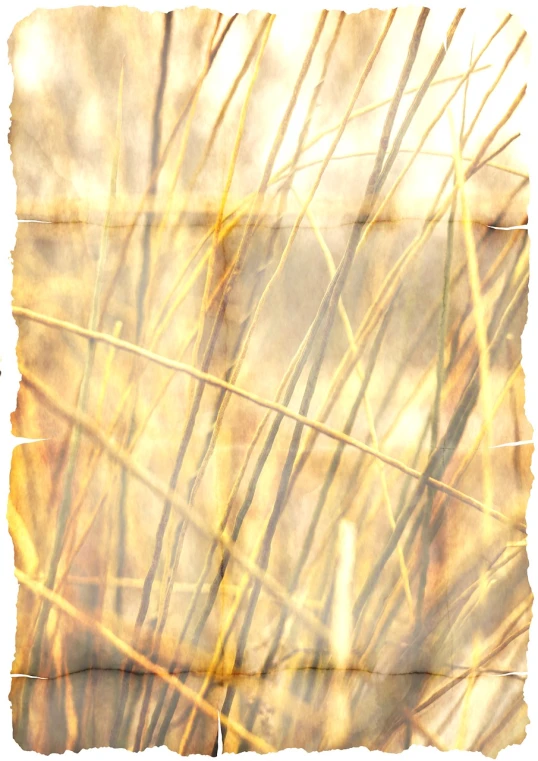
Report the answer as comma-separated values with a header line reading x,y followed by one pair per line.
x,y
270,317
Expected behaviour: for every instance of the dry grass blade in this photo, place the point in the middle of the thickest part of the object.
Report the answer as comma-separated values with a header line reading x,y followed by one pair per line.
x,y
386,293
89,427
82,400
479,314
91,624
267,385
275,407
417,100
155,174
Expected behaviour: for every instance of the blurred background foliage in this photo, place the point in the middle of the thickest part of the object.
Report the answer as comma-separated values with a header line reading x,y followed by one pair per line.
x,y
270,284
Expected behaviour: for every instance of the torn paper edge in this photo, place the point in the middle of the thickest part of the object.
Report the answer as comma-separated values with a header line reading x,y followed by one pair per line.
x,y
12,13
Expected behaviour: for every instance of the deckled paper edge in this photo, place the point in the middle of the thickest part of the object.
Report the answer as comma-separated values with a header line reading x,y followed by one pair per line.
x,y
11,13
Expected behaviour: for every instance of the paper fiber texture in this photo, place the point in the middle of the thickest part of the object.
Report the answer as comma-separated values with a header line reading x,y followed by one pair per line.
x,y
270,281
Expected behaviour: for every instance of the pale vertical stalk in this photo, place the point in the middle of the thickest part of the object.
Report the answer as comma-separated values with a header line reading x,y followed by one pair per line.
x,y
338,717
342,619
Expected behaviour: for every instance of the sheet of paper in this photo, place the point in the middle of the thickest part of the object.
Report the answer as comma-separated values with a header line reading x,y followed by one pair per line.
x,y
270,281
